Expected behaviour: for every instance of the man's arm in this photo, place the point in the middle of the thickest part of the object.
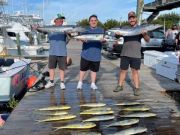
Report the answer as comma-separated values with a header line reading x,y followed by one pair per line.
x,y
145,35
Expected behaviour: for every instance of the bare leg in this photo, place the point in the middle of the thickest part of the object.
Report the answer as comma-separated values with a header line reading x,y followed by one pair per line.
x,y
81,75
122,76
51,73
61,74
93,77
135,77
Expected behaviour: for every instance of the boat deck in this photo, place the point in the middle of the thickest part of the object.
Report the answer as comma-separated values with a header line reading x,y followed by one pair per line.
x,y
23,119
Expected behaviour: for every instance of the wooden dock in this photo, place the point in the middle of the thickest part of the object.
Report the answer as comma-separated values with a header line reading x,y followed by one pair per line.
x,y
22,121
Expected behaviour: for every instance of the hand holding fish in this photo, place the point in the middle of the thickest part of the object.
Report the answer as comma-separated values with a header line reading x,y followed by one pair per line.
x,y
144,32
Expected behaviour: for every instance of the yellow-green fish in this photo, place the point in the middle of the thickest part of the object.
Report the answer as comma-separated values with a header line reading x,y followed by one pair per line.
x,y
55,108
128,103
56,113
139,115
131,131
82,125
123,123
93,105
100,118
99,109
85,133
98,112
142,108
58,118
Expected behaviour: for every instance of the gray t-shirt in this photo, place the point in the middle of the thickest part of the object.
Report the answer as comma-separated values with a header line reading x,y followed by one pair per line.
x,y
57,44
132,46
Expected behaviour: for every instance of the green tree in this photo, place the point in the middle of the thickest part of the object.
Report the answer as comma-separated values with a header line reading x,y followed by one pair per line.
x,y
111,23
169,19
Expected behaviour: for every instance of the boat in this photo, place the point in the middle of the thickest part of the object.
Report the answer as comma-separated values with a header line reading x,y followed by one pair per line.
x,y
13,75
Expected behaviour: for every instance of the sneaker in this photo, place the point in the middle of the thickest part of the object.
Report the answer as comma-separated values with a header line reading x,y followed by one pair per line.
x,y
136,91
62,86
79,86
93,86
49,84
118,88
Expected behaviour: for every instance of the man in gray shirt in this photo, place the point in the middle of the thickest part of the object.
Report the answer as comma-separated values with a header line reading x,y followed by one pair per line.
x,y
131,55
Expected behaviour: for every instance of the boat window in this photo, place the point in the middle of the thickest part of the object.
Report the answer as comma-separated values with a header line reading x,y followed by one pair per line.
x,y
11,34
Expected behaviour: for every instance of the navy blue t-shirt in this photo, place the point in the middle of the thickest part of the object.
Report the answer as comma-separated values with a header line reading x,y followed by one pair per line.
x,y
91,50
57,44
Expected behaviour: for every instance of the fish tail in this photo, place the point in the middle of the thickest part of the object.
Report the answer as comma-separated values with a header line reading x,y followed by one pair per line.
x,y
57,128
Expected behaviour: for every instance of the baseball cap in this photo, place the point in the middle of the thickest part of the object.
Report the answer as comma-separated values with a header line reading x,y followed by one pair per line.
x,y
59,16
131,14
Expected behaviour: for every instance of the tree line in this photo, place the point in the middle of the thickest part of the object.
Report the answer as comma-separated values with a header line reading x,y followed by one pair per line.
x,y
167,19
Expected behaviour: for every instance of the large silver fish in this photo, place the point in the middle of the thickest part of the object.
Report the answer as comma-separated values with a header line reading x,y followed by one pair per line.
x,y
55,108
139,115
134,31
64,28
90,37
131,131
98,112
128,103
123,123
140,108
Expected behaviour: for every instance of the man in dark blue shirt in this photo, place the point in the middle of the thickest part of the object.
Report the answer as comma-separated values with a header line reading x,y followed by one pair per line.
x,y
91,53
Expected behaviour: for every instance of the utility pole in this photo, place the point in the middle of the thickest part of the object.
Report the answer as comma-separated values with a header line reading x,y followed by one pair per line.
x,y
139,9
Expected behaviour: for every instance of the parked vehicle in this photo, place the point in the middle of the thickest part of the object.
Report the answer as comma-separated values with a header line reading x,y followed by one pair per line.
x,y
155,43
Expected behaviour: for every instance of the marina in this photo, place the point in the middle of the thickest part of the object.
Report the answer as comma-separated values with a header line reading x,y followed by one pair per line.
x,y
36,99
23,118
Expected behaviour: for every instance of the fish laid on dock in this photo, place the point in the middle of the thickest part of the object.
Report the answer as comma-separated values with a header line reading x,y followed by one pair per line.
x,y
57,113
99,109
131,131
64,28
85,133
139,115
83,125
134,31
100,118
58,118
141,108
55,108
128,103
98,112
93,105
123,123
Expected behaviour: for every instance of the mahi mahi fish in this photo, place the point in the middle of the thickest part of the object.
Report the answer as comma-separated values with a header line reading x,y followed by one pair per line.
x,y
99,109
58,118
128,103
64,28
85,133
139,115
56,113
100,118
134,31
82,125
54,108
131,131
98,112
93,105
141,108
123,123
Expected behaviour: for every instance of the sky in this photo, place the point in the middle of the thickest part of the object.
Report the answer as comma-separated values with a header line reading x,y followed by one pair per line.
x,y
75,10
